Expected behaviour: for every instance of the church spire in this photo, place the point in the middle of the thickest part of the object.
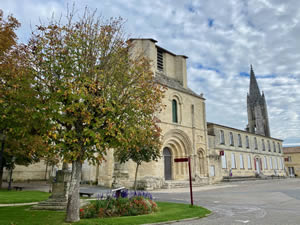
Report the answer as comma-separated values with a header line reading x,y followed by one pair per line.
x,y
253,89
258,122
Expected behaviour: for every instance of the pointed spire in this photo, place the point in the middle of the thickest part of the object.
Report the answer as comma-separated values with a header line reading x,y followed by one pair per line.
x,y
253,89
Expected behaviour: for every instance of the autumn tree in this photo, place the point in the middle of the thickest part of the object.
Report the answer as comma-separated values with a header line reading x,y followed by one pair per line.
x,y
145,147
21,122
98,95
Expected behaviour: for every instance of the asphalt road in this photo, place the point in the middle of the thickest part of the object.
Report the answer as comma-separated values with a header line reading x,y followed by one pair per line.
x,y
266,202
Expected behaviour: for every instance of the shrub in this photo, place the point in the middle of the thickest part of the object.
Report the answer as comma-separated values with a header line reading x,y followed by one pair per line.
x,y
127,204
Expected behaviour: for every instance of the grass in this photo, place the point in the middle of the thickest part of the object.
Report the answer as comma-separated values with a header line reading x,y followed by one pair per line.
x,y
21,215
9,197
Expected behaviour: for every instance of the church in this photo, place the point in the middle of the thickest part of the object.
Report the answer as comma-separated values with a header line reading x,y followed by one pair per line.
x,y
216,151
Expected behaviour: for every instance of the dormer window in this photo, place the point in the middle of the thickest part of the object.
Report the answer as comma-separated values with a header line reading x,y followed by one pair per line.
x,y
174,111
160,60
279,149
231,139
255,143
247,142
240,140
222,139
263,145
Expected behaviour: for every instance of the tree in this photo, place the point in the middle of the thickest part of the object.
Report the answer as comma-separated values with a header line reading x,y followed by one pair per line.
x,y
97,94
20,120
145,147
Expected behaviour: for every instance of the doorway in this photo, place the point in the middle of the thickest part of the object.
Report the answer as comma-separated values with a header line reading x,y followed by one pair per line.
x,y
257,164
167,163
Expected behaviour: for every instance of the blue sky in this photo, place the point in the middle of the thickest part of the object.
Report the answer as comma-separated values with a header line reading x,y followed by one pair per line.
x,y
221,39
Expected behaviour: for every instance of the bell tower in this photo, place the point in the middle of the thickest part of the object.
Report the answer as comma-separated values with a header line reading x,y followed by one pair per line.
x,y
258,121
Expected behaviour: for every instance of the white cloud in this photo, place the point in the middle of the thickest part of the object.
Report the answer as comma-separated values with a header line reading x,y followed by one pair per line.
x,y
226,36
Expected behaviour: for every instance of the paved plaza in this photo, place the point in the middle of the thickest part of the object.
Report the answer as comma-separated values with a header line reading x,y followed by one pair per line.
x,y
262,202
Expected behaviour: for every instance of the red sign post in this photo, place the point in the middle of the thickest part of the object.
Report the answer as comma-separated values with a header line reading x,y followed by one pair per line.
x,y
188,159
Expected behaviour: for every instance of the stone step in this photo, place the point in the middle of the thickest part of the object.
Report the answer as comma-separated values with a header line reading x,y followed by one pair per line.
x,y
53,203
179,184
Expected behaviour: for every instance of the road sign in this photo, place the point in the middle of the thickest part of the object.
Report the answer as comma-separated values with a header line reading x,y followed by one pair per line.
x,y
181,160
188,159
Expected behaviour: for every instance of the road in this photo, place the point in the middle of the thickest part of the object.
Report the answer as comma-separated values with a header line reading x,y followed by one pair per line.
x,y
263,202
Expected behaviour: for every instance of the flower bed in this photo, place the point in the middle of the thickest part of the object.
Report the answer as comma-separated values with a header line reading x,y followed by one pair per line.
x,y
127,204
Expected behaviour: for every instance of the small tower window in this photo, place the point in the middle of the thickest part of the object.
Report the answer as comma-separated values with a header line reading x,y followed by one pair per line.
x,y
274,147
263,145
269,146
174,111
160,60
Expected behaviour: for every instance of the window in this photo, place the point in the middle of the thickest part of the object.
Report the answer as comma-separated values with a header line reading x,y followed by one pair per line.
x,y
224,163
280,163
279,149
174,111
269,146
241,162
271,164
249,162
240,140
231,139
274,147
265,163
160,60
289,159
255,143
222,139
263,145
212,171
275,163
247,142
233,161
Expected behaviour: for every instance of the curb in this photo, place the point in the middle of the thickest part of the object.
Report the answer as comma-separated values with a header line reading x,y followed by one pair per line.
x,y
176,221
18,204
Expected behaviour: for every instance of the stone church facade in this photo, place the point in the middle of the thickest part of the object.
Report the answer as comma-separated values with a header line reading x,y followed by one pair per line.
x,y
185,133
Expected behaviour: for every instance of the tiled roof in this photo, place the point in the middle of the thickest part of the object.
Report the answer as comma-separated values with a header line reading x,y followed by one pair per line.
x,y
291,149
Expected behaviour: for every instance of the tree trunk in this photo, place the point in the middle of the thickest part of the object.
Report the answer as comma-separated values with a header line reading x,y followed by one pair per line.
x,y
10,178
136,172
1,176
73,197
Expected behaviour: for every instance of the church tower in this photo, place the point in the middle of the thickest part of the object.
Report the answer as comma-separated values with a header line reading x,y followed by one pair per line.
x,y
258,121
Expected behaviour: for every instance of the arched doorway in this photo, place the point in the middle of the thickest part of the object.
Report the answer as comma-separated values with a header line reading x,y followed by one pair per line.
x,y
201,158
168,163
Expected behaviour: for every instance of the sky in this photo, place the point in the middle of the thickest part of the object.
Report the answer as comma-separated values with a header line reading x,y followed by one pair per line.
x,y
221,39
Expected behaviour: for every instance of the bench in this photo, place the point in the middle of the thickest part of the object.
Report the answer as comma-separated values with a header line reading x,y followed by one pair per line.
x,y
118,191
81,193
18,188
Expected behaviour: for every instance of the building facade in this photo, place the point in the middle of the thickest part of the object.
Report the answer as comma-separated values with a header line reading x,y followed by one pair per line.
x,y
292,160
239,153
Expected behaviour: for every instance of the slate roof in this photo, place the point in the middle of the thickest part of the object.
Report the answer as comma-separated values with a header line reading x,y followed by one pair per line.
x,y
174,84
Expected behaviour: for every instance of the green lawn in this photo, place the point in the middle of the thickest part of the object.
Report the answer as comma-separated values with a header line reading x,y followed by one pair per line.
x,y
7,197
21,215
